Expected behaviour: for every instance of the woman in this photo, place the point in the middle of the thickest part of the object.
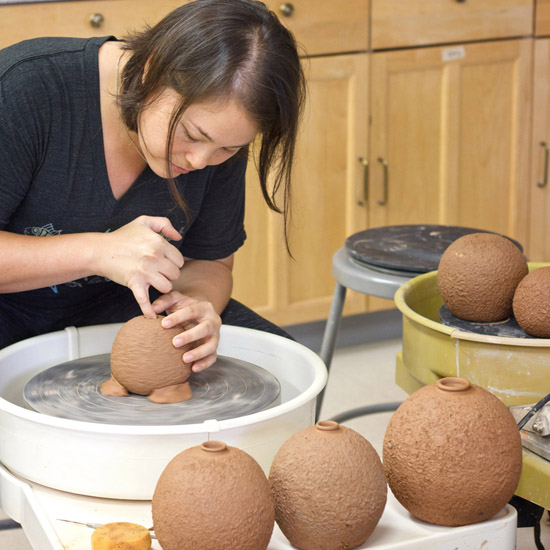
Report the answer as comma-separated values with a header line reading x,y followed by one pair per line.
x,y
130,157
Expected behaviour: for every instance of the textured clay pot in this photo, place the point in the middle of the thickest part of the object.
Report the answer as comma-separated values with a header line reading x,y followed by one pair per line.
x,y
329,488
452,453
532,303
478,275
144,361
213,497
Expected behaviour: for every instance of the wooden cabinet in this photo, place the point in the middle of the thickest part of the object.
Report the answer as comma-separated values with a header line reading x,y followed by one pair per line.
x,y
327,188
450,136
328,184
445,135
398,23
323,27
539,236
80,19
542,20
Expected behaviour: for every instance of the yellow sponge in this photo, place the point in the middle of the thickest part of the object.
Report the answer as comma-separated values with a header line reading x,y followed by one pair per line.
x,y
121,536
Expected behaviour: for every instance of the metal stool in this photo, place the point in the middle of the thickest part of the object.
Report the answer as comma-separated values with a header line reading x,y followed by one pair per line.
x,y
361,278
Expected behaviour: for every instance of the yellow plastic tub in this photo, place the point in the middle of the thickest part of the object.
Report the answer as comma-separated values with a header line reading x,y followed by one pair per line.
x,y
516,370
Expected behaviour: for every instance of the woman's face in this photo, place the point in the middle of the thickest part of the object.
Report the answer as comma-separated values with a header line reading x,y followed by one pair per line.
x,y
208,133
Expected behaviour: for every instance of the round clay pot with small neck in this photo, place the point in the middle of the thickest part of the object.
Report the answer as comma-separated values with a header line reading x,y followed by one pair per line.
x,y
213,496
452,453
329,488
144,361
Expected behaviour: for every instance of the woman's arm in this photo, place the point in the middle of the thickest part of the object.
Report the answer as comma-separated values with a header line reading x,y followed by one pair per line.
x,y
28,262
207,280
137,256
199,296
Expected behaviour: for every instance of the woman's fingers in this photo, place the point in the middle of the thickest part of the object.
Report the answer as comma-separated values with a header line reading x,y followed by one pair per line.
x,y
161,225
173,255
201,326
204,330
139,256
168,269
141,296
205,362
170,302
203,351
193,310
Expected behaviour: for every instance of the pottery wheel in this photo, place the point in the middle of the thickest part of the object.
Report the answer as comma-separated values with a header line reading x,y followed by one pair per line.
x,y
228,389
508,328
412,249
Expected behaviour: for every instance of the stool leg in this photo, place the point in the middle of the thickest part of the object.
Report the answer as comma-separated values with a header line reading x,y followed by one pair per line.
x,y
329,337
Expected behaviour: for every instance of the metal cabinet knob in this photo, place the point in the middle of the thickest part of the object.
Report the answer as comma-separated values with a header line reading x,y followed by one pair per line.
x,y
96,20
286,9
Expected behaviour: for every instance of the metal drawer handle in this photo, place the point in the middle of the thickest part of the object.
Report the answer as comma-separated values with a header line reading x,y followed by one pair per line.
x,y
96,20
544,182
362,201
384,164
286,9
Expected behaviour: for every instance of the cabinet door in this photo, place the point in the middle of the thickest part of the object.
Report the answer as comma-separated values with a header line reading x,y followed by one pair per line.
x,y
539,234
398,23
452,125
327,186
542,22
323,27
255,269
79,19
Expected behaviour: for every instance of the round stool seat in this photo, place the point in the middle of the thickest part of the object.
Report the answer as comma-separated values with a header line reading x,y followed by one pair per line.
x,y
414,249
364,278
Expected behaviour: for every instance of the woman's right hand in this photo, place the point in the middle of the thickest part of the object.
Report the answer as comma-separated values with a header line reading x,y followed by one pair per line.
x,y
138,256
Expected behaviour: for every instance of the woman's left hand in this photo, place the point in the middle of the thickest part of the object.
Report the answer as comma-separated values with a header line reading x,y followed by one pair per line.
x,y
200,323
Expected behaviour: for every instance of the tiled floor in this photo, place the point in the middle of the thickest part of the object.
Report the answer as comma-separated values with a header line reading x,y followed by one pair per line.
x,y
359,376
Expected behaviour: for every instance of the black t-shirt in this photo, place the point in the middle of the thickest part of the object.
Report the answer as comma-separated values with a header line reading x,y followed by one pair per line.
x,y
53,176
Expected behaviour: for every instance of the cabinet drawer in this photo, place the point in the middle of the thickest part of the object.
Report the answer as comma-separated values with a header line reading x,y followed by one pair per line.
x,y
326,26
396,23
22,21
542,21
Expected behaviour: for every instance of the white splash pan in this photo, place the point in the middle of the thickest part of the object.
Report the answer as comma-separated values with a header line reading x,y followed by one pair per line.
x,y
125,462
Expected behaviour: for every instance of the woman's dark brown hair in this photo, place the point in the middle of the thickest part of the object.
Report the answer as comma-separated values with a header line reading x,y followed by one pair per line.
x,y
222,49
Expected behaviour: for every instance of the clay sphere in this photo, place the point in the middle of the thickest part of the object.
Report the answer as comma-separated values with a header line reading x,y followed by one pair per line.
x,y
144,360
452,453
329,488
478,275
210,497
532,303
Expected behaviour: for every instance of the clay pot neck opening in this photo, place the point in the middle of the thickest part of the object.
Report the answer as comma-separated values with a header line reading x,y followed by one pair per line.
x,y
453,384
327,425
213,446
